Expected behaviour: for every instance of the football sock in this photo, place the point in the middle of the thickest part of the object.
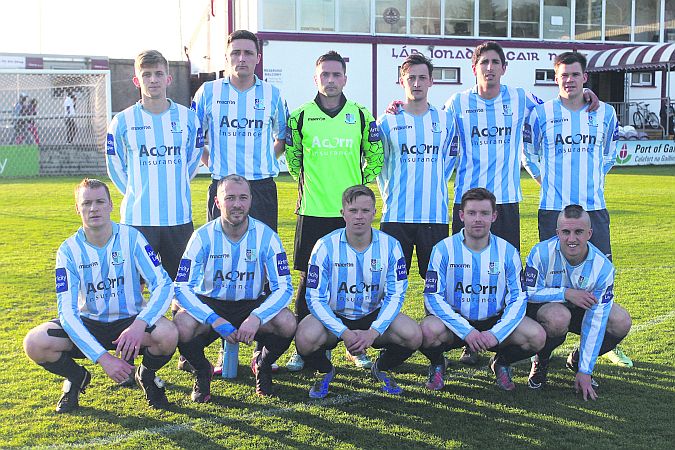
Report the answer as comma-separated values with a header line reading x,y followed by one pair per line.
x,y
392,356
66,367
435,354
318,361
154,362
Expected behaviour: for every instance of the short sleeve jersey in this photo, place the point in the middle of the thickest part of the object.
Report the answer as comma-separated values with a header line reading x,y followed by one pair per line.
x,y
151,159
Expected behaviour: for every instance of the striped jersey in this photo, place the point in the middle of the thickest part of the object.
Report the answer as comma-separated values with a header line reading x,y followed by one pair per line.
x,y
463,285
344,282
419,156
490,141
103,284
151,159
242,127
572,151
216,267
548,274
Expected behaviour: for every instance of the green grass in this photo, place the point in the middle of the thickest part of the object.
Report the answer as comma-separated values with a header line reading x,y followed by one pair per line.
x,y
635,408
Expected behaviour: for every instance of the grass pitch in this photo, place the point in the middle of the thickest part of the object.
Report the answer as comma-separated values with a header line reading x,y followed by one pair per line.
x,y
635,408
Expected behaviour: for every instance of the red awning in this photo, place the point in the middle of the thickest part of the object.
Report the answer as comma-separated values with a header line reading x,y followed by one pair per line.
x,y
634,59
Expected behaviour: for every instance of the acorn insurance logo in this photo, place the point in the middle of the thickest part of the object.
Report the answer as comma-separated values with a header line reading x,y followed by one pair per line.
x,y
623,157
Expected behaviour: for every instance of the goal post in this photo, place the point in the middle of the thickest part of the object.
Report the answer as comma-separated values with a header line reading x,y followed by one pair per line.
x,y
53,122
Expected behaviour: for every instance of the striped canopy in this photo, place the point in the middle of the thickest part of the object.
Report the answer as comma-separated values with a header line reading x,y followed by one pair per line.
x,y
634,59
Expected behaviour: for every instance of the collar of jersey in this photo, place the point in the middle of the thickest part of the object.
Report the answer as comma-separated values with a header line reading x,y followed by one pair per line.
x,y
502,88
172,105
257,82
83,237
343,238
219,228
461,233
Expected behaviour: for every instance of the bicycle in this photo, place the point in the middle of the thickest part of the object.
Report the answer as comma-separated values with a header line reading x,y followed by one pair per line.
x,y
643,116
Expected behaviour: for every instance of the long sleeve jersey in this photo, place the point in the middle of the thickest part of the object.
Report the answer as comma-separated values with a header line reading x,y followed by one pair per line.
x,y
151,159
351,284
463,285
103,284
548,274
216,267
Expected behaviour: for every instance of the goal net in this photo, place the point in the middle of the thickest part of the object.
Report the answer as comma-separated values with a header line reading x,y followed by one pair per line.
x,y
53,122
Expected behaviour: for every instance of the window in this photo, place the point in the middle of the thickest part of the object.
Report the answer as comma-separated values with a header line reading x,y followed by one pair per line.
x,y
492,19
459,18
425,16
278,15
525,19
544,76
588,20
317,15
557,19
642,79
390,16
354,16
618,20
669,35
647,21
446,75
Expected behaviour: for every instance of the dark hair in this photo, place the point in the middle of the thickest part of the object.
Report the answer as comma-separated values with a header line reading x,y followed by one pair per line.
x,y
351,193
244,34
150,58
235,179
91,183
570,58
573,212
332,56
478,194
485,47
415,59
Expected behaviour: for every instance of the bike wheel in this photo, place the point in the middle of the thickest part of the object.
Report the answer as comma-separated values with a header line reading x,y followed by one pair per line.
x,y
652,120
638,121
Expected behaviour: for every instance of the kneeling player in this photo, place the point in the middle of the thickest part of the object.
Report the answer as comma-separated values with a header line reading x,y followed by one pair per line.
x,y
220,285
101,308
356,284
473,294
570,287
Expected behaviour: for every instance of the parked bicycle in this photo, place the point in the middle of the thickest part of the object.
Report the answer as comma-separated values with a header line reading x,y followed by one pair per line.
x,y
644,117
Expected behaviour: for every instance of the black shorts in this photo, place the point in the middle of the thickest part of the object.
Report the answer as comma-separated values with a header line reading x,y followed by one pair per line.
x,y
104,332
548,222
233,312
169,242
422,236
575,321
308,230
264,203
362,323
480,325
507,225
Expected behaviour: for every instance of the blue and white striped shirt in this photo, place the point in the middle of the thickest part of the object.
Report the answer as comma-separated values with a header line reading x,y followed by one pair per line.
x,y
418,161
216,267
463,285
151,159
103,284
353,284
572,151
242,127
547,276
490,141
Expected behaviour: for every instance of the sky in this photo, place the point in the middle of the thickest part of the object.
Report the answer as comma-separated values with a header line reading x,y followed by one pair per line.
x,y
112,28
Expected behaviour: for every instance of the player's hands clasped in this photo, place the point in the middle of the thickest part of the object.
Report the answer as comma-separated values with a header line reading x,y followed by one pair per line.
x,y
130,340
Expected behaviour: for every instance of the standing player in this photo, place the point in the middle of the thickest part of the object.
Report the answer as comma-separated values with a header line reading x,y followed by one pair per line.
x,y
474,297
246,122
569,151
220,284
356,284
101,306
489,119
418,161
332,143
570,287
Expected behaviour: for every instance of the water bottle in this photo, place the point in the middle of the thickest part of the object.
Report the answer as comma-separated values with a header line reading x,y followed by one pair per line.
x,y
230,359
